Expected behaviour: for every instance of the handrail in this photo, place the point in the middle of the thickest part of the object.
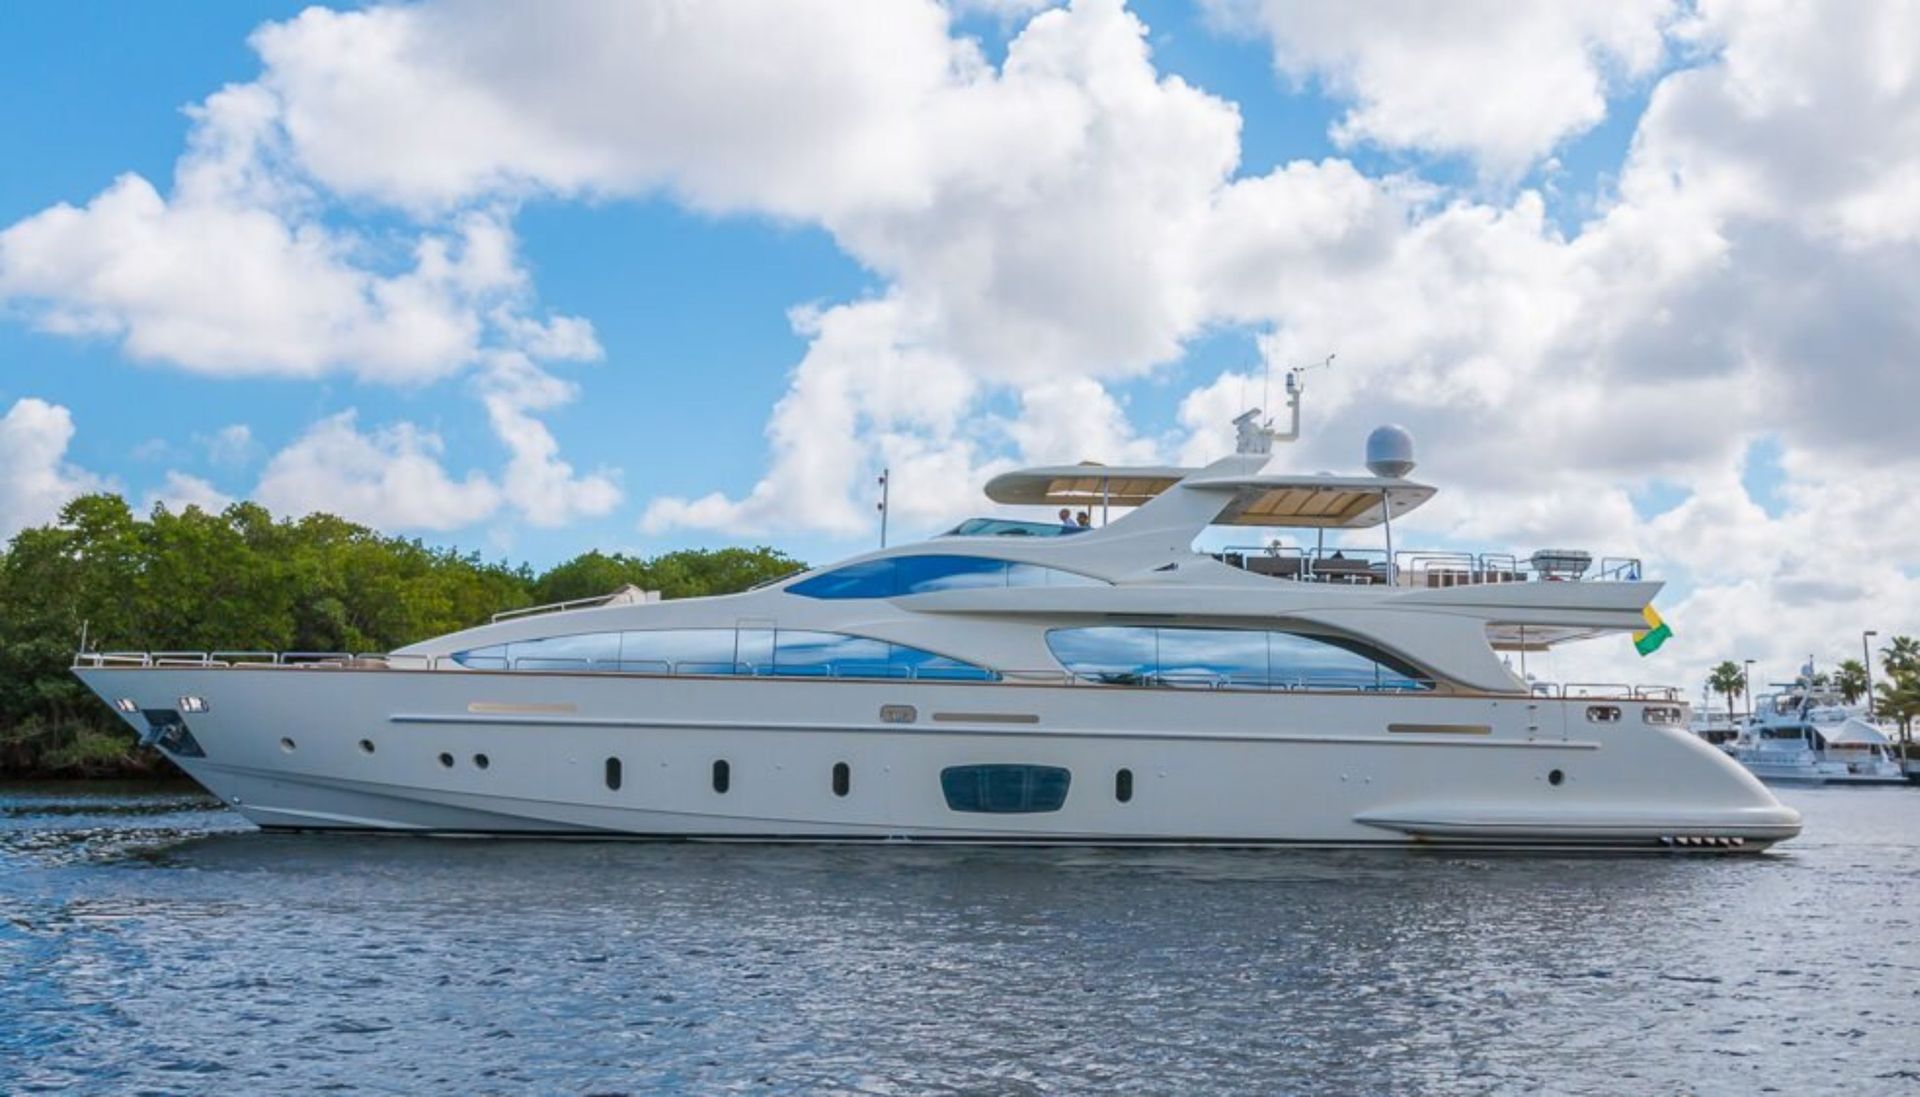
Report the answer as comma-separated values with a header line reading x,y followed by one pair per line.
x,y
554,607
1416,567
324,661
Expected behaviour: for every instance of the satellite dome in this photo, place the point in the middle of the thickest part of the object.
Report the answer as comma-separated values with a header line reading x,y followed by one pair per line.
x,y
1390,451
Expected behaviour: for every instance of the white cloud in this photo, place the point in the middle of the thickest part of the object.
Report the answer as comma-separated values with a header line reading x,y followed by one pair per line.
x,y
181,490
537,483
390,478
34,436
231,445
1501,83
731,105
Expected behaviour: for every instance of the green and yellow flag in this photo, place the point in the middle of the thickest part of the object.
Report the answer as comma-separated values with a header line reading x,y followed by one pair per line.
x,y
1657,633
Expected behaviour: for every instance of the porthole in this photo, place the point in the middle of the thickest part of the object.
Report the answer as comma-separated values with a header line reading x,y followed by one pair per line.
x,y
366,746
287,745
480,761
842,778
722,775
446,759
1123,785
613,774
1555,777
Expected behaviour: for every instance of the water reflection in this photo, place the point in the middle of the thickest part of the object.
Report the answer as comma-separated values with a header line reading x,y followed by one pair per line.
x,y
155,941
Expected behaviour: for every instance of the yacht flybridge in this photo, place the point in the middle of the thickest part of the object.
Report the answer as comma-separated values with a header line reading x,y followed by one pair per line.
x,y
1011,682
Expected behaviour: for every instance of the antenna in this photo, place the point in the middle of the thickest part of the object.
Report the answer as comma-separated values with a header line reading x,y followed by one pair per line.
x,y
886,483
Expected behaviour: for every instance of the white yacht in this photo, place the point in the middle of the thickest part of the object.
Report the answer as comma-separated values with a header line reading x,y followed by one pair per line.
x,y
1807,735
1010,682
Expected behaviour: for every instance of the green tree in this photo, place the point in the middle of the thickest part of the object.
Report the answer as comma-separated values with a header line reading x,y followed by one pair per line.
x,y
1727,680
240,580
1899,701
1851,680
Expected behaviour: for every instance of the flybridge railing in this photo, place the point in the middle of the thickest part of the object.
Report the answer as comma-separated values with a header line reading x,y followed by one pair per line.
x,y
1426,567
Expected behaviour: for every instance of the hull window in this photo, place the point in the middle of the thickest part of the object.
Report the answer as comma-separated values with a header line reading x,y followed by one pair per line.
x,y
446,760
613,774
1211,658
1123,785
722,775
480,761
1005,789
842,778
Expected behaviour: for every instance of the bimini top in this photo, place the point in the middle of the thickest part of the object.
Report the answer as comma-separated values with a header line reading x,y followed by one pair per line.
x,y
1317,501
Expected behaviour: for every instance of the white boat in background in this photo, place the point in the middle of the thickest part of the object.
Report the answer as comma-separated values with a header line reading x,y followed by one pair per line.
x,y
1006,683
1721,729
1807,735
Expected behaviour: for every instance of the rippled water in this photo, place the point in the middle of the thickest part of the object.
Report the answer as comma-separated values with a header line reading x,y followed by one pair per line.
x,y
150,940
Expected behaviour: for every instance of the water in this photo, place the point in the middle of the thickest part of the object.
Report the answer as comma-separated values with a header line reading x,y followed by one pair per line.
x,y
150,941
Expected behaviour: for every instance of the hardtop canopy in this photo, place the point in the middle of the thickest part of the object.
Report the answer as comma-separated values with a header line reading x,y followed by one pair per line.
x,y
1311,501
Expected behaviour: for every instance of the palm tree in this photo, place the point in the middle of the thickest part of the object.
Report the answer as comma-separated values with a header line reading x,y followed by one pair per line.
x,y
1851,680
1900,701
1901,657
1727,680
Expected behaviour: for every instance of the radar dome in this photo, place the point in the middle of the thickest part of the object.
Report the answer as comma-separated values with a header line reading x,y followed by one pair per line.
x,y
1390,451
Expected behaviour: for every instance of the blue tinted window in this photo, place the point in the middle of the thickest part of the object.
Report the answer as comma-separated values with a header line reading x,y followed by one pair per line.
x,y
1333,662
870,579
1005,789
678,651
487,658
1212,656
1229,657
588,651
724,651
1122,656
830,654
929,574
902,575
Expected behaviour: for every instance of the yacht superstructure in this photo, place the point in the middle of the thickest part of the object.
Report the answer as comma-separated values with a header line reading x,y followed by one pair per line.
x,y
1808,735
1009,682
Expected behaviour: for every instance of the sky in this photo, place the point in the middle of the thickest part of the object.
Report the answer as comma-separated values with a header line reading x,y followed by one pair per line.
x,y
1640,276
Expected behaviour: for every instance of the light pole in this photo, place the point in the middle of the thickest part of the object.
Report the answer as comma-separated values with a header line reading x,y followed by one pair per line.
x,y
1746,683
1866,660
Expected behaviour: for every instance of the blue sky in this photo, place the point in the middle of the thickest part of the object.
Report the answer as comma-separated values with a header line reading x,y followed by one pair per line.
x,y
741,264
691,308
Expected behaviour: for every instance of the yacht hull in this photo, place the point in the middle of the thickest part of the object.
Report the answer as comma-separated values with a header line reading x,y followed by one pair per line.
x,y
765,759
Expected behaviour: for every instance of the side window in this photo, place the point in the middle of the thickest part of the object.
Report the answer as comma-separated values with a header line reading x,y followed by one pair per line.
x,y
871,579
832,654
827,654
678,651
1206,656
1330,662
794,652
928,574
487,658
1116,656
903,575
1230,657
588,651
